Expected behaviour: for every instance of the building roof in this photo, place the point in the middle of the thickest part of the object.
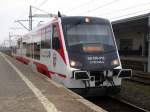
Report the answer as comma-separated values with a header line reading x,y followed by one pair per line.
x,y
143,16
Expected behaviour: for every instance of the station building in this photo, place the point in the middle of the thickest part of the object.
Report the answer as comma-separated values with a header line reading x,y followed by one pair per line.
x,y
133,39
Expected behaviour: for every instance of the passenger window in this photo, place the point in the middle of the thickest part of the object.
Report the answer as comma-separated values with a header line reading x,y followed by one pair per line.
x,y
46,38
43,39
37,50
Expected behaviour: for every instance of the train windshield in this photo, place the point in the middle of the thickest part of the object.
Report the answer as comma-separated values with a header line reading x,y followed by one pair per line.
x,y
92,37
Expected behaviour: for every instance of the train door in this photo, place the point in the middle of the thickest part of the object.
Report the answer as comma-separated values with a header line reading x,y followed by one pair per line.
x,y
55,47
58,56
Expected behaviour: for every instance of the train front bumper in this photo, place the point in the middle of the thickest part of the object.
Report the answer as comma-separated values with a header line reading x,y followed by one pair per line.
x,y
125,73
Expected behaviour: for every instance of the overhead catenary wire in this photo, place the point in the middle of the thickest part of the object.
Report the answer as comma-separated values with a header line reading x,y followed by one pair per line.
x,y
19,21
40,9
43,15
124,9
82,5
35,1
101,6
37,4
26,20
42,3
127,15
22,14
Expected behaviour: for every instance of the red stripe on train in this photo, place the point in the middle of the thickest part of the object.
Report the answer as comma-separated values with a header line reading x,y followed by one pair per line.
x,y
23,60
42,69
61,50
60,75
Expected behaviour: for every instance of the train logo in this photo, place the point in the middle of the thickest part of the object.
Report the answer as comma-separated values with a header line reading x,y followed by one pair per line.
x,y
54,60
96,59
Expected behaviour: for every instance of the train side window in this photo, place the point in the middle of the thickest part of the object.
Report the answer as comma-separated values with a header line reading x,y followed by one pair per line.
x,y
37,50
43,38
46,38
55,39
29,49
29,46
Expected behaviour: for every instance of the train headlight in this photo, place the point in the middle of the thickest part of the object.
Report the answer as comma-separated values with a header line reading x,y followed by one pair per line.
x,y
87,20
73,63
115,62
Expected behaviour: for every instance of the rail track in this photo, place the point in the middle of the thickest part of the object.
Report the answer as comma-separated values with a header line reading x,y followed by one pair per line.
x,y
113,104
140,77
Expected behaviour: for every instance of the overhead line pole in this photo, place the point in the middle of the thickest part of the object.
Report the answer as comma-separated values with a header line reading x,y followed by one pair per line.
x,y
30,18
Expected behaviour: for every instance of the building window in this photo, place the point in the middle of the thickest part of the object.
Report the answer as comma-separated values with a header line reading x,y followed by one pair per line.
x,y
126,44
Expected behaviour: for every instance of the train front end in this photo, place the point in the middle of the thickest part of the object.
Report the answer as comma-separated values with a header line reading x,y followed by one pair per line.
x,y
94,63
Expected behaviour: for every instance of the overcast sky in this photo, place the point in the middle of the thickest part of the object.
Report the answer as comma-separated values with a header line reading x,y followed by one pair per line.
x,y
12,10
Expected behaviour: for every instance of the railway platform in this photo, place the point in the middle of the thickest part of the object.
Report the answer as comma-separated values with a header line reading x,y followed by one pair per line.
x,y
25,90
138,63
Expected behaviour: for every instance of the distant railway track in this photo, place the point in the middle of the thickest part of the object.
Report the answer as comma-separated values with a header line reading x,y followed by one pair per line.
x,y
113,104
140,77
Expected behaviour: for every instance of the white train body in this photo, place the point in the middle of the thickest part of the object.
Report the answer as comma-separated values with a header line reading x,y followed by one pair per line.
x,y
78,52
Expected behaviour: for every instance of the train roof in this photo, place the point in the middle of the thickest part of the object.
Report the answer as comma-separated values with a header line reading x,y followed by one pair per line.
x,y
67,19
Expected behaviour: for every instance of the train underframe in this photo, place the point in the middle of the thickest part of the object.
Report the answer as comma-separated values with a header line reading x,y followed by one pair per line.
x,y
99,83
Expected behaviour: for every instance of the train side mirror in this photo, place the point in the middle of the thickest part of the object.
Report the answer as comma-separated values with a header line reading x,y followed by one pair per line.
x,y
55,43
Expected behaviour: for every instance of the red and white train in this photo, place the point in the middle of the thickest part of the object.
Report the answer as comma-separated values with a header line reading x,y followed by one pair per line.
x,y
78,52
